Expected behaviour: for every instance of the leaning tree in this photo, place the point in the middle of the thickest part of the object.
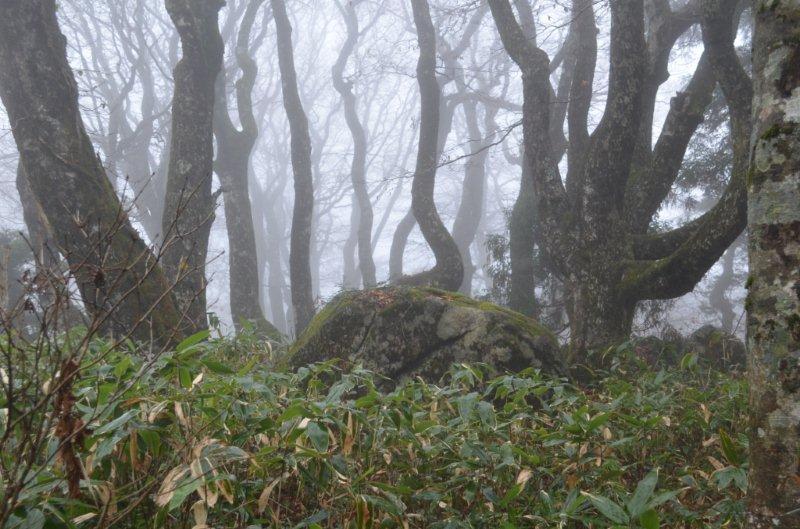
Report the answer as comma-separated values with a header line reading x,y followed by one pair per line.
x,y
593,225
119,278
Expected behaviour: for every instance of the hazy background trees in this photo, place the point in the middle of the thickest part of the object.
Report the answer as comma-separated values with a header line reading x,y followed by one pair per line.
x,y
356,82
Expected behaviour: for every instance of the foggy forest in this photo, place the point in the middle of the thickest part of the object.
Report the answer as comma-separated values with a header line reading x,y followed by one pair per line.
x,y
400,263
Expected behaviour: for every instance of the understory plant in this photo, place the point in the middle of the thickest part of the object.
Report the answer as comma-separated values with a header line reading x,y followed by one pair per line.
x,y
212,436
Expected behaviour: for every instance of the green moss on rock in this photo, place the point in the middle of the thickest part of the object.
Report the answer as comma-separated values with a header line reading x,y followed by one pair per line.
x,y
406,332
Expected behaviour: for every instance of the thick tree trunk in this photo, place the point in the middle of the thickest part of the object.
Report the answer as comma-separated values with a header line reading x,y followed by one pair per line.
x,y
300,251
773,302
358,172
189,203
449,270
234,149
592,229
118,277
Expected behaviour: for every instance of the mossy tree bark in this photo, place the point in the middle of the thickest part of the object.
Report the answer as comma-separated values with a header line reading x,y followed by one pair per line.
x,y
234,149
449,270
189,203
118,277
773,302
300,246
592,229
358,171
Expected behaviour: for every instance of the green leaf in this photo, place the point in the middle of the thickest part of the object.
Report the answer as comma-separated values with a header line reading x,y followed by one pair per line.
x,y
312,520
318,436
217,367
34,520
729,449
607,508
116,423
194,339
122,366
644,491
185,377
649,520
367,400
187,486
293,411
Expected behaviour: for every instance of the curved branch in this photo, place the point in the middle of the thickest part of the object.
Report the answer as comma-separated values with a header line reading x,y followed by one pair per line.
x,y
649,186
680,271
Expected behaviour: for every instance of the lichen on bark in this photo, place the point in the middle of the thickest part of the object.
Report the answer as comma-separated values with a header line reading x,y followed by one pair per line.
x,y
773,303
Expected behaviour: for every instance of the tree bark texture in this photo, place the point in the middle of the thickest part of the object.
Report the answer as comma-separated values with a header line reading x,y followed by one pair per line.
x,y
234,149
119,279
189,202
773,302
300,246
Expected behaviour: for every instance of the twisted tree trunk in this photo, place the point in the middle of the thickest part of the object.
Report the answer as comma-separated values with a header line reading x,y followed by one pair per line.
x,y
449,270
592,229
773,302
189,204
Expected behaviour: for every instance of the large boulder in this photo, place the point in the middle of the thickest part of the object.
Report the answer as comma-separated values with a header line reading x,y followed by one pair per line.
x,y
664,350
406,332
719,348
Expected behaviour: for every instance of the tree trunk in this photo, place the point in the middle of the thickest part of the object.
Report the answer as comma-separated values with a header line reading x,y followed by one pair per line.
x,y
773,302
358,172
189,203
350,278
449,269
300,251
234,149
470,210
522,244
718,297
592,227
399,241
118,277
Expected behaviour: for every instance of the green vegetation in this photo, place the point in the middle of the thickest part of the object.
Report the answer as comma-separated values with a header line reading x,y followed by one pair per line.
x,y
212,436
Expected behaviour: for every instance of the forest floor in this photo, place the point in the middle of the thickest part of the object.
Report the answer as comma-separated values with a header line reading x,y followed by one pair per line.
x,y
213,436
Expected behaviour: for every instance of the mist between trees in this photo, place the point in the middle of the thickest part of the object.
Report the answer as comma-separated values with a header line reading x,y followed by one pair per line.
x,y
184,165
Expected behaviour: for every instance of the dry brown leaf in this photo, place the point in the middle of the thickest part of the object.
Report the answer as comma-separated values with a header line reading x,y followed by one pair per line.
x,y
524,475
263,499
170,483
715,463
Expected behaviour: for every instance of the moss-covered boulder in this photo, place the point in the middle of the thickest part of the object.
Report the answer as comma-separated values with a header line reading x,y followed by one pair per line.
x,y
719,348
405,332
